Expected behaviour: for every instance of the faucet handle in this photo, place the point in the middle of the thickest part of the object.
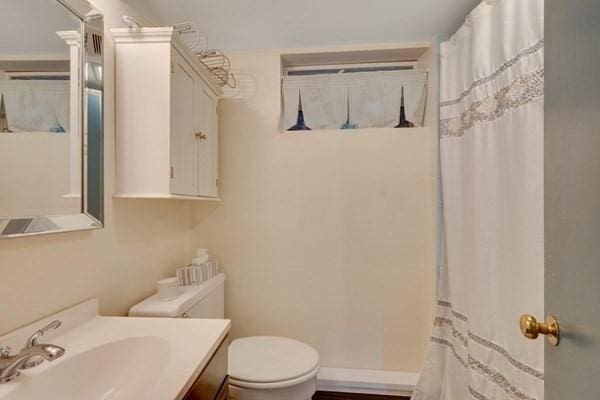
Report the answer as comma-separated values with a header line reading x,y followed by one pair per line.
x,y
33,339
5,352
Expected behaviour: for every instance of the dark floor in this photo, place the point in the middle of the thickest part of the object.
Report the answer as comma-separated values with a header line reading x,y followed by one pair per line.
x,y
349,396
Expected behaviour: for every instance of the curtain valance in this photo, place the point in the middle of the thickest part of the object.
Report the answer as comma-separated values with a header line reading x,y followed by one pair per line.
x,y
37,105
361,99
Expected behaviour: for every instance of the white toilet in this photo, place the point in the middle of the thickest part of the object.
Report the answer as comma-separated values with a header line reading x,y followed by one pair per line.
x,y
260,367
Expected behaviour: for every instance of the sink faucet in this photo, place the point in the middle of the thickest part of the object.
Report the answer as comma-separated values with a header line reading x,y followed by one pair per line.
x,y
32,355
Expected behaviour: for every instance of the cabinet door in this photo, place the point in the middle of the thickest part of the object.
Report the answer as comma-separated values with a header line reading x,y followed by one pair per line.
x,y
212,383
207,143
183,127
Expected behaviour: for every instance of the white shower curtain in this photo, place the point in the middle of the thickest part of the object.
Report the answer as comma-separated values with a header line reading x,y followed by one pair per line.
x,y
491,144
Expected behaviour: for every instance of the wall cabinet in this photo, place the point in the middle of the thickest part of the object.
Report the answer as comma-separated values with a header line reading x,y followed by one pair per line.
x,y
166,118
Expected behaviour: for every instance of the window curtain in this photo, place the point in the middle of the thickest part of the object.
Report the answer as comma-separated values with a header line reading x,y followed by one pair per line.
x,y
491,149
36,106
365,99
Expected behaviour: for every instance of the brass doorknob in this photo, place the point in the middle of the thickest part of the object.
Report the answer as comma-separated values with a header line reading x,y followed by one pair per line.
x,y
531,328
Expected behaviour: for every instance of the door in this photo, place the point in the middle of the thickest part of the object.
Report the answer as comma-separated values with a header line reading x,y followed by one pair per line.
x,y
207,143
572,197
183,128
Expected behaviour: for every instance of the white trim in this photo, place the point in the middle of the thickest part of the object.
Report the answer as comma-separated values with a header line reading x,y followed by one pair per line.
x,y
33,57
160,196
143,35
387,383
166,35
72,38
66,74
75,71
320,67
389,52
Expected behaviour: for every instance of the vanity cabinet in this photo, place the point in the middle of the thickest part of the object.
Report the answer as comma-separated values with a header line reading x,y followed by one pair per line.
x,y
213,382
166,118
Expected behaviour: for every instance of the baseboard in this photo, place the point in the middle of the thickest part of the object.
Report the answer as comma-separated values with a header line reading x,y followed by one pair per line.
x,y
387,383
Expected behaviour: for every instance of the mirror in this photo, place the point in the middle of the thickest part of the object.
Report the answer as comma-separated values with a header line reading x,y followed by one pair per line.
x,y
51,117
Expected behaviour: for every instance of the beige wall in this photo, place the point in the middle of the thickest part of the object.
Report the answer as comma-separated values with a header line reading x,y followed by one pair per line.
x,y
326,237
143,241
37,181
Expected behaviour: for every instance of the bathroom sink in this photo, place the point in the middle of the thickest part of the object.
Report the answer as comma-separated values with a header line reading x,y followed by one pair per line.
x,y
115,358
117,370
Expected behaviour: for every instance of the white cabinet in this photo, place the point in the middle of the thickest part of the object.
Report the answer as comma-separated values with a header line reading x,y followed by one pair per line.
x,y
166,118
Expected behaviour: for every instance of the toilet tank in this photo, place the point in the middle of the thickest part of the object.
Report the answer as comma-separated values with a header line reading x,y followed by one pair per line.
x,y
204,301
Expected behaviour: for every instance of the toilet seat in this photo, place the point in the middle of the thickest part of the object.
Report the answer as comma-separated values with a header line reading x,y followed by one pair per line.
x,y
275,385
271,362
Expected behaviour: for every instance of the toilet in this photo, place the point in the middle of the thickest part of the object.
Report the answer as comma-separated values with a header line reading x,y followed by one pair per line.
x,y
260,367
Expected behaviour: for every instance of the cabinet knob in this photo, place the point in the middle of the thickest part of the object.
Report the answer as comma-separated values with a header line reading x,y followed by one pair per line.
x,y
200,136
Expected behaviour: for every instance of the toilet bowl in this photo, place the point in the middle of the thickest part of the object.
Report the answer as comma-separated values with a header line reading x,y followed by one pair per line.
x,y
272,368
260,367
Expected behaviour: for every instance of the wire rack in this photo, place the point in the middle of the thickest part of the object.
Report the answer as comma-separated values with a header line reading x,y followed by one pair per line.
x,y
214,60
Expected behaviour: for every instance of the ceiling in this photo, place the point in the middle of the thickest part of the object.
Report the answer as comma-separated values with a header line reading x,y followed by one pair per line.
x,y
263,24
28,27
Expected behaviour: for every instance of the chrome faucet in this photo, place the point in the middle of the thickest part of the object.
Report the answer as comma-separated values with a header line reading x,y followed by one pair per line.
x,y
32,355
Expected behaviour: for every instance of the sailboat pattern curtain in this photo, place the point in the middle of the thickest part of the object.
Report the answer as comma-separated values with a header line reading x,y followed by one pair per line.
x,y
491,146
362,99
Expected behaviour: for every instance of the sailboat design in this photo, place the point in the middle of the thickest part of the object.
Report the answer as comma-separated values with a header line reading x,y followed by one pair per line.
x,y
404,123
300,125
347,124
3,118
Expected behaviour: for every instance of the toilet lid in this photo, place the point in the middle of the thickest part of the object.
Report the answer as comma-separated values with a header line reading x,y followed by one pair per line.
x,y
264,359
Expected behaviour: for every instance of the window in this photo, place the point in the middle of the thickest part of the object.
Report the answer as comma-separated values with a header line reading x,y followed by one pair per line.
x,y
350,95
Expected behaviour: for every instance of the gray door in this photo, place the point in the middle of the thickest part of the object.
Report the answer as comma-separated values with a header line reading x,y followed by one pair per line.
x,y
572,197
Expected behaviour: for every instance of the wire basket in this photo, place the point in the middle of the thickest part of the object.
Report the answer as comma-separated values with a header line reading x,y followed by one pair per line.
x,y
214,60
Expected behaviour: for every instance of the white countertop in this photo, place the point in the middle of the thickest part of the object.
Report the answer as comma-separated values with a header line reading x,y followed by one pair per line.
x,y
171,352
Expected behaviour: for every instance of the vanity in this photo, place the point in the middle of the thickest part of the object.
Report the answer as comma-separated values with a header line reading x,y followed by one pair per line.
x,y
121,358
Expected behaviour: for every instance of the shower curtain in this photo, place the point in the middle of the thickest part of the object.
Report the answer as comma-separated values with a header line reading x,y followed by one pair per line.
x,y
491,149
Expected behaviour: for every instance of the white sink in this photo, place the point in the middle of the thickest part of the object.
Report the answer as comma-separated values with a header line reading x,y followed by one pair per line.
x,y
114,358
124,369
